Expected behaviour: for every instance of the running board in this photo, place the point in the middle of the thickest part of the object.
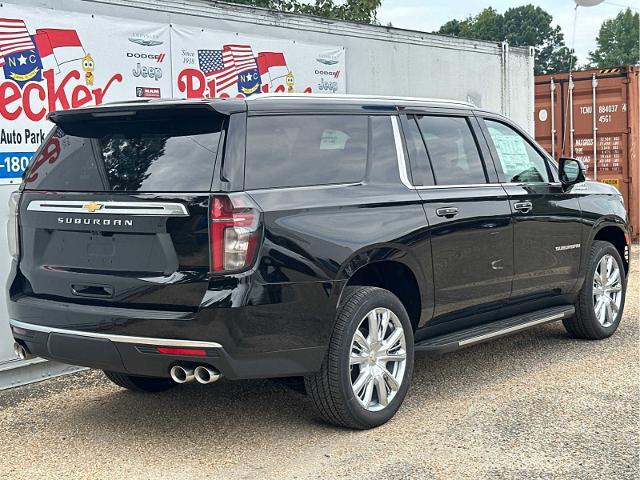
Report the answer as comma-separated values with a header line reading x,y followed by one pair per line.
x,y
489,331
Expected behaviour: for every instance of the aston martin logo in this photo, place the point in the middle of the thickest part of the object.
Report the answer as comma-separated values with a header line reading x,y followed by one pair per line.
x,y
92,207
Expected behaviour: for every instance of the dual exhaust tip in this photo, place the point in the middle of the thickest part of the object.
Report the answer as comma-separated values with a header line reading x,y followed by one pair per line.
x,y
21,351
179,374
201,374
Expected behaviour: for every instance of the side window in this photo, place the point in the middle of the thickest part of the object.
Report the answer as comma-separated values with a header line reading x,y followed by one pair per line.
x,y
520,161
420,169
452,150
298,150
383,157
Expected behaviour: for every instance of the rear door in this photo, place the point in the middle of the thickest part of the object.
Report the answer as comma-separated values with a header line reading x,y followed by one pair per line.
x,y
547,220
115,210
468,213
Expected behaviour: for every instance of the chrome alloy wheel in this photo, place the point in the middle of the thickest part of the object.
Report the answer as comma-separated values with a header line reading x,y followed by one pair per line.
x,y
378,359
607,290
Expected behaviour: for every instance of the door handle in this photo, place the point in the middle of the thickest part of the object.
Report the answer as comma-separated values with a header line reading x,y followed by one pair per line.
x,y
524,207
447,212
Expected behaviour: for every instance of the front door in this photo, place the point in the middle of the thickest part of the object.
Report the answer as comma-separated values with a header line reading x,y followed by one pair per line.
x,y
547,227
468,214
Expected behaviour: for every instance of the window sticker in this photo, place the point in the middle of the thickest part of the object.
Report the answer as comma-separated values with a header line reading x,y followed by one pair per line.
x,y
512,152
333,140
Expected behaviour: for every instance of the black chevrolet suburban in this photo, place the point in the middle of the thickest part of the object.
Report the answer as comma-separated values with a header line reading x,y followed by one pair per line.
x,y
318,239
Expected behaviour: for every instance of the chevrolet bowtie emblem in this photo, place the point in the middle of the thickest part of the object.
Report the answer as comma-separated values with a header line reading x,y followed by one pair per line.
x,y
92,207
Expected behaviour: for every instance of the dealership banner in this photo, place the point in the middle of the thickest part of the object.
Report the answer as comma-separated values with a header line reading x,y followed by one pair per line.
x,y
54,60
209,63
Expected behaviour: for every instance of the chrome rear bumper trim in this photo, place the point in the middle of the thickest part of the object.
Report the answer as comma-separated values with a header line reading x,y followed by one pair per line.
x,y
163,342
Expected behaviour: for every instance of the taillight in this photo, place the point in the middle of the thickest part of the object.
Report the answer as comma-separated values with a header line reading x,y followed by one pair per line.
x,y
12,226
235,232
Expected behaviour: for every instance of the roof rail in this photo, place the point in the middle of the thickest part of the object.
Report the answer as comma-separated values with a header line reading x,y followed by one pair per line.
x,y
355,97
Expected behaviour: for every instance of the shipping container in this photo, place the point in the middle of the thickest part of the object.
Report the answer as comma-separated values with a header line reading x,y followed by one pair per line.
x,y
162,37
601,108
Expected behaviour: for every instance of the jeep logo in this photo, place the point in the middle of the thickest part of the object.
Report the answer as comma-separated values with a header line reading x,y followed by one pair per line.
x,y
147,72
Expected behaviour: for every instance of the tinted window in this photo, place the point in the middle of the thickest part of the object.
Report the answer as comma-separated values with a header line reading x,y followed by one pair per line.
x,y
383,154
297,150
420,169
520,161
149,155
452,150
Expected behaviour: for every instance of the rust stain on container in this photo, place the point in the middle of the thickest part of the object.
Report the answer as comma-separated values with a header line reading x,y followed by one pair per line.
x,y
595,107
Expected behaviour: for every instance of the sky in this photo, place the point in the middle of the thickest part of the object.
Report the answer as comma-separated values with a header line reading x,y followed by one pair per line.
x,y
429,15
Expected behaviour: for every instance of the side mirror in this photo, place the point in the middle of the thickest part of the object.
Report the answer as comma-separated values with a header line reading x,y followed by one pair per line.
x,y
571,172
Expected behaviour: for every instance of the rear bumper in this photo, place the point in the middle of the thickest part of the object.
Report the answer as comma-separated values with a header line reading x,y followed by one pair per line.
x,y
139,356
246,319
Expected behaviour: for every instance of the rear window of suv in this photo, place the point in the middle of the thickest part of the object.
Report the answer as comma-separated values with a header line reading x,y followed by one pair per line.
x,y
150,152
300,150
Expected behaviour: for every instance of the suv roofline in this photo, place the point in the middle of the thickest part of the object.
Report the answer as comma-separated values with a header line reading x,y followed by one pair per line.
x,y
229,105
358,98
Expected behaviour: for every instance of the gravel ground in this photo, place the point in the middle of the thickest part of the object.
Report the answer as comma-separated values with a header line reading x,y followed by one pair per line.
x,y
534,405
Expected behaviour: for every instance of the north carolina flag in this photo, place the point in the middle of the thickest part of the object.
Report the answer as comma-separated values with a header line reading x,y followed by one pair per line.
x,y
64,45
273,68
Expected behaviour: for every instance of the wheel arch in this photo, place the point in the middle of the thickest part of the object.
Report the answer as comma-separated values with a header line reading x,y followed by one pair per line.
x,y
617,235
396,270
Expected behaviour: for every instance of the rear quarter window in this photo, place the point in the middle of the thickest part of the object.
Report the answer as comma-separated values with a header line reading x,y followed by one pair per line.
x,y
301,150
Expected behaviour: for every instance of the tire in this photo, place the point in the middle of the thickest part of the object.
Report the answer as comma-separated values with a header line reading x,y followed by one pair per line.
x,y
332,388
586,323
140,384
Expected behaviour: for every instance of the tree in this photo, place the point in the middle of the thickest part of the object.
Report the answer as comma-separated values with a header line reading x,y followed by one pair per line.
x,y
520,27
453,28
618,41
487,25
362,11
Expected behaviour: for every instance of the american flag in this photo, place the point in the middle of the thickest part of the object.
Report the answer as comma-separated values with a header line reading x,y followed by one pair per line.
x,y
242,57
14,38
225,65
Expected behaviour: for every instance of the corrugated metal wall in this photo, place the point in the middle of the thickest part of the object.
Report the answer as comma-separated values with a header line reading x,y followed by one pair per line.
x,y
379,60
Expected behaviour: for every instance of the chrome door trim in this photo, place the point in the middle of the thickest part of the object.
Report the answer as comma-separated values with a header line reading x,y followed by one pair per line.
x,y
466,185
402,162
110,208
164,342
402,166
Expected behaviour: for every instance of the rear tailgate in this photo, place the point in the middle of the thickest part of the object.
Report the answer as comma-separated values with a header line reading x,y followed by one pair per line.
x,y
115,210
